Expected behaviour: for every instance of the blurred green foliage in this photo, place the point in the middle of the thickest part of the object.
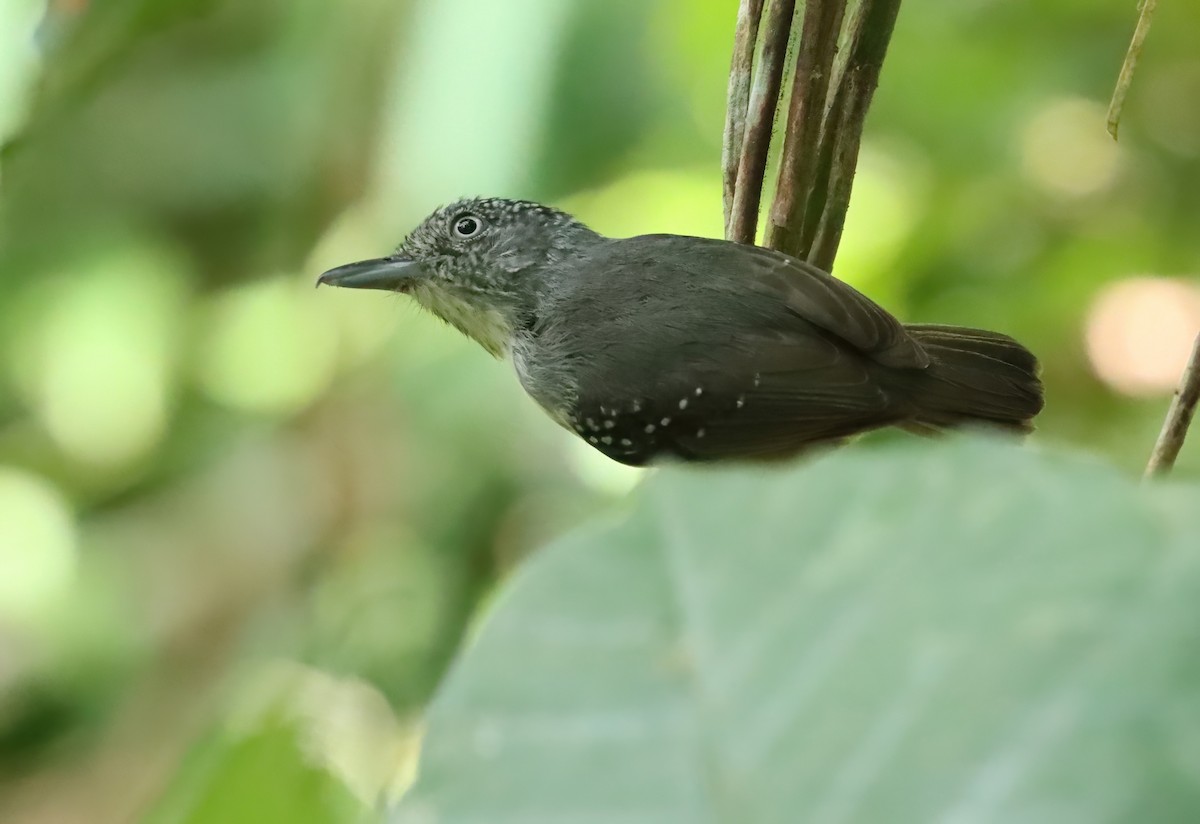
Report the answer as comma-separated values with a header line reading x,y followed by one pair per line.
x,y
207,468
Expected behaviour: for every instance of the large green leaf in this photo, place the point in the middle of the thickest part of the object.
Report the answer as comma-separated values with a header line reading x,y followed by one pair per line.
x,y
957,632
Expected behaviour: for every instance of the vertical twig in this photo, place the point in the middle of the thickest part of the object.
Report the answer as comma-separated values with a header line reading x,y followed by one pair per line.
x,y
830,95
798,163
1179,418
1117,105
1187,396
740,74
764,97
834,115
871,31
823,232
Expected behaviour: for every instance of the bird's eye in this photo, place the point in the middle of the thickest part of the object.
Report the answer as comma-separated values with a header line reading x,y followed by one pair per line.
x,y
467,226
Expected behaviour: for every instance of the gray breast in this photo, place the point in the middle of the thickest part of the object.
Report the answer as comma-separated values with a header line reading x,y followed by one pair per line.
x,y
544,369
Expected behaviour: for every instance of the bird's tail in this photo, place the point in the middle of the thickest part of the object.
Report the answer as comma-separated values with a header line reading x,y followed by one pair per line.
x,y
976,378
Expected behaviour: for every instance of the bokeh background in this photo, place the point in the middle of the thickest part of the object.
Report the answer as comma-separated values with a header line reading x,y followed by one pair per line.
x,y
244,524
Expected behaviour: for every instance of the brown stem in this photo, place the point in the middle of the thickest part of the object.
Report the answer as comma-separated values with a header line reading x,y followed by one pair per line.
x,y
738,102
764,96
831,94
1131,58
830,214
798,164
1179,417
834,116
870,32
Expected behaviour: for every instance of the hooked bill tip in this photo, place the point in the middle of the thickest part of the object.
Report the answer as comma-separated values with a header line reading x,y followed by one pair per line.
x,y
390,273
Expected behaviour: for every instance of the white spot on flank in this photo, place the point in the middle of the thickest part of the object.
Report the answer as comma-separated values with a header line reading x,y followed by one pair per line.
x,y
757,379
741,401
700,432
591,423
610,423
637,406
606,440
683,404
665,421
626,442
699,391
649,428
592,439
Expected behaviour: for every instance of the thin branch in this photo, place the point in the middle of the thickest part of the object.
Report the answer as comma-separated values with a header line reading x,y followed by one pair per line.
x,y
740,74
834,117
764,97
810,88
830,215
854,14
1146,12
831,91
1179,418
871,31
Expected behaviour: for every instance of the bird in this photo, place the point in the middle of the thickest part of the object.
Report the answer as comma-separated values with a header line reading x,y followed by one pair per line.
x,y
661,348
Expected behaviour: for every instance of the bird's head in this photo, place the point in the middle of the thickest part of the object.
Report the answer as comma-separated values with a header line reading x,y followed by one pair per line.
x,y
481,264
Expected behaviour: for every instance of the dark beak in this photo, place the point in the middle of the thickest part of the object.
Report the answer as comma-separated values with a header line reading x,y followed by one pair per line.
x,y
394,273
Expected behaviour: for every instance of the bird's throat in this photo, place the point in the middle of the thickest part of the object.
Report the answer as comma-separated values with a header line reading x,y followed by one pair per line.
x,y
488,326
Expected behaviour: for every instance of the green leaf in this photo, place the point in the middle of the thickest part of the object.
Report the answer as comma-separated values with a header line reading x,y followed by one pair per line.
x,y
261,777
954,632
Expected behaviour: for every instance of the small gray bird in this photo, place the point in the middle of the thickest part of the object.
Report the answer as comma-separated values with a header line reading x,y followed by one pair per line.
x,y
665,346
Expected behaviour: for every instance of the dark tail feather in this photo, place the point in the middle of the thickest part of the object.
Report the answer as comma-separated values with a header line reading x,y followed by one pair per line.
x,y
976,377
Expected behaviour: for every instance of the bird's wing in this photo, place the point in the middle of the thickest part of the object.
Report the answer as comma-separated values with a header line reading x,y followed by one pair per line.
x,y
758,396
810,293
715,350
